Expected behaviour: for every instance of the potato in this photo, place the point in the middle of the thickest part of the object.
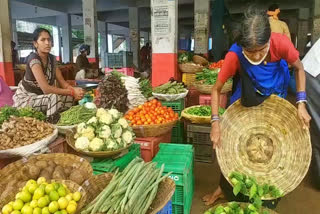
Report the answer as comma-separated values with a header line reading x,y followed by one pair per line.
x,y
42,164
50,169
77,176
52,163
23,175
68,170
44,173
34,172
58,173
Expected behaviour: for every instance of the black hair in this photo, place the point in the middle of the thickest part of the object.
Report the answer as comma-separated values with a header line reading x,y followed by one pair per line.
x,y
37,32
255,29
273,7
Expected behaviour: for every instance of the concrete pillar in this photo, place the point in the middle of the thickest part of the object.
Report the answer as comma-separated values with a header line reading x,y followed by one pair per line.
x,y
65,22
56,42
316,21
134,34
303,29
90,28
6,68
201,26
103,29
14,32
164,34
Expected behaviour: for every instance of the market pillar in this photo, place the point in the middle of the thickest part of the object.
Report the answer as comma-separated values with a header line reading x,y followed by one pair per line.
x,y
316,21
6,67
303,29
134,34
65,22
103,29
201,26
56,42
164,34
14,32
90,28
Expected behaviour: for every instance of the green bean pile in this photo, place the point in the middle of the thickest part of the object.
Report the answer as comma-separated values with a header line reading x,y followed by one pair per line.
x,y
76,115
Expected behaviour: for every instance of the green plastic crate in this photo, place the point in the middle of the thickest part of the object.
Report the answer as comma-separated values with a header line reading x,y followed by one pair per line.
x,y
177,134
108,165
177,106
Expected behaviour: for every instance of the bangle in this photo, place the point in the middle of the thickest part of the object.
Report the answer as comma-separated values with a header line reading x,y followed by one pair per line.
x,y
214,118
301,95
71,92
301,101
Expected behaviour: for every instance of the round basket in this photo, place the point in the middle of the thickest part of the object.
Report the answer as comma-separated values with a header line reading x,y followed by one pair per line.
x,y
194,118
153,130
243,205
207,89
72,186
200,60
170,97
103,154
266,142
94,185
190,67
64,129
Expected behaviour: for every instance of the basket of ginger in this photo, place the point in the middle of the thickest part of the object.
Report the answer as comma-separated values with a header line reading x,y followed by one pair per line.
x,y
151,119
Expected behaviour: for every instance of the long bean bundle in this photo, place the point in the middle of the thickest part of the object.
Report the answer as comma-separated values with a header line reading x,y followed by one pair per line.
x,y
130,192
76,115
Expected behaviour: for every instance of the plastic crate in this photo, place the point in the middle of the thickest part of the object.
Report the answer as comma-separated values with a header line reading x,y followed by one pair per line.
x,y
188,79
119,60
126,71
150,145
58,146
177,135
177,106
192,97
205,99
107,165
167,209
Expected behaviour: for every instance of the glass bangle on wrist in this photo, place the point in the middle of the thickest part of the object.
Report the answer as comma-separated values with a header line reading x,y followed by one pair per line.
x,y
214,118
301,101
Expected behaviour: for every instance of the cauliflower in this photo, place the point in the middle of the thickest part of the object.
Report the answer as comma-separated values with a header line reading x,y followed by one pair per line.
x,y
111,144
123,122
87,132
127,137
92,121
100,112
104,116
80,127
82,143
115,113
105,132
96,145
116,130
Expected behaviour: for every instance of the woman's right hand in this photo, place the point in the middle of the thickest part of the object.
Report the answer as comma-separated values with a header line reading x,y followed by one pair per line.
x,y
78,93
215,134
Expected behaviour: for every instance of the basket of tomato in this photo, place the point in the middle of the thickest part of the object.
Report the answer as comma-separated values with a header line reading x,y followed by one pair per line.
x,y
151,119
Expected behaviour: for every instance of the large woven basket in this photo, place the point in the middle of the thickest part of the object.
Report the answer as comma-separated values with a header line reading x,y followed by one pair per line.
x,y
195,118
190,67
207,89
72,186
200,60
243,205
103,154
266,141
153,130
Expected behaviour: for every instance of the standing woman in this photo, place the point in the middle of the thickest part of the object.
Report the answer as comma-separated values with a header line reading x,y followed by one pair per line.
x,y
257,62
37,88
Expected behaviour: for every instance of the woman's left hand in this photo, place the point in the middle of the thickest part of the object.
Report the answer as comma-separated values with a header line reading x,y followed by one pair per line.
x,y
304,115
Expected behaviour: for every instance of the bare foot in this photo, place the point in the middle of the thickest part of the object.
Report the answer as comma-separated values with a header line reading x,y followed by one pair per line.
x,y
212,197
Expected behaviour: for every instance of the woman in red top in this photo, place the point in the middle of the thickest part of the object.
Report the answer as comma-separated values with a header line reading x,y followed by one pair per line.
x,y
258,65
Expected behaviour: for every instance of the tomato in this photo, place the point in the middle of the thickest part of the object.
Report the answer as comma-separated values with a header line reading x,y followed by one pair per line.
x,y
162,112
145,123
130,118
159,104
154,101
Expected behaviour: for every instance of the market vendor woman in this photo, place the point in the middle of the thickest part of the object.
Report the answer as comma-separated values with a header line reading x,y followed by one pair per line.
x,y
258,65
37,88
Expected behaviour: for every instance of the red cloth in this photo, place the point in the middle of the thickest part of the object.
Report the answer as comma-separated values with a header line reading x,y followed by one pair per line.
x,y
280,48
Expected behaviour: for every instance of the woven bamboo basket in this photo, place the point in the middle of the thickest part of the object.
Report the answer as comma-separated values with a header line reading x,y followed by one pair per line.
x,y
200,60
72,186
207,89
102,154
194,118
243,205
265,141
153,130
190,67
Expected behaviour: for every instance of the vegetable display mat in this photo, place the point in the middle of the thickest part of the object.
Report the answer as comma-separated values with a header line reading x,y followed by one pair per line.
x,y
265,141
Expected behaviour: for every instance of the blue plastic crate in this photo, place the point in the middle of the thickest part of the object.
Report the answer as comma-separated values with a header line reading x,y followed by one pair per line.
x,y
167,209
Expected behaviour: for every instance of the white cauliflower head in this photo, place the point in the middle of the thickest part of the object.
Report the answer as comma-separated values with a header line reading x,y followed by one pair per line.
x,y
100,112
105,132
96,145
104,116
92,121
88,132
127,137
116,130
123,122
82,143
111,144
115,113
80,127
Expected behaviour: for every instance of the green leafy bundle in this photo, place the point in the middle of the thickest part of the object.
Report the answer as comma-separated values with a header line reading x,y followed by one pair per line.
x,y
146,88
203,111
8,111
185,57
170,88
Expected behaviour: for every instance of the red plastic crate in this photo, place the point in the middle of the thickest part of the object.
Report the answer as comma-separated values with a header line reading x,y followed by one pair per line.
x,y
58,146
150,146
126,71
205,99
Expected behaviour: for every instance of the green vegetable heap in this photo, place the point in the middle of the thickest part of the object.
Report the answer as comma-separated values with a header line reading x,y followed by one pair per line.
x,y
170,88
235,208
7,111
208,76
185,57
76,115
146,88
203,111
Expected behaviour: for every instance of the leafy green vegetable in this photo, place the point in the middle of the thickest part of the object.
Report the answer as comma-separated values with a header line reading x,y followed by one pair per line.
x,y
170,88
185,57
8,111
30,112
117,74
208,76
203,111
146,88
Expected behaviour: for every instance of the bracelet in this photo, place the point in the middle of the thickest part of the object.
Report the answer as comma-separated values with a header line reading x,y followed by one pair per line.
x,y
214,118
301,101
301,95
71,92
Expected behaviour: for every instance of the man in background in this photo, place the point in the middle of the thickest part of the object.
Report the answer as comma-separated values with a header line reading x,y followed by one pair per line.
x,y
84,70
15,56
276,25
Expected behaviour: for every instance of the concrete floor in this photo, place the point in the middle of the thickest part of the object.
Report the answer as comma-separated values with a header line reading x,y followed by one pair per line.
x,y
303,200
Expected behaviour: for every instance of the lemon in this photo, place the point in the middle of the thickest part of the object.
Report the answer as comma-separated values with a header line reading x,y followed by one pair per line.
x,y
58,212
38,193
54,196
41,180
42,202
7,209
27,209
16,212
43,186
76,196
11,203
25,196
45,210
32,188
18,204
53,207
73,202
56,186
62,191
63,203
37,210
64,212
49,188
18,195
71,208
48,198
31,181
34,204
69,197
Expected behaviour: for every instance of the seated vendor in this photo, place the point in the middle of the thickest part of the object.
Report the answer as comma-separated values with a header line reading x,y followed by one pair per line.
x,y
37,88
83,64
